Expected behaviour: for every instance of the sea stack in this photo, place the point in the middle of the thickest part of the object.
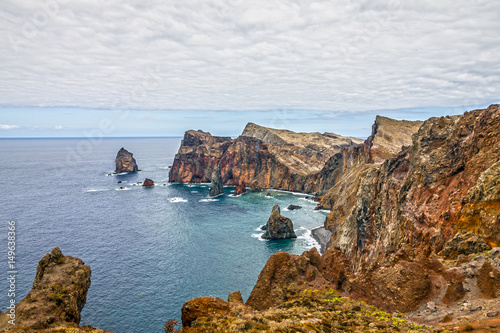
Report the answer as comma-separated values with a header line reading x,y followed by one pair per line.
x,y
216,186
125,162
148,183
278,226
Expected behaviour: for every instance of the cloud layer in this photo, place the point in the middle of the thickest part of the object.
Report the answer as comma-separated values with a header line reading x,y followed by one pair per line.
x,y
249,55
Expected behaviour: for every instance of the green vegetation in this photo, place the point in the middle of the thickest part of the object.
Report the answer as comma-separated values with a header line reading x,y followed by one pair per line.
x,y
308,310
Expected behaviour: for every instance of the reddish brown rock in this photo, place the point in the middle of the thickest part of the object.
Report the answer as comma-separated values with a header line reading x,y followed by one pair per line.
x,y
148,183
240,188
283,270
58,295
203,307
488,281
442,184
235,297
125,162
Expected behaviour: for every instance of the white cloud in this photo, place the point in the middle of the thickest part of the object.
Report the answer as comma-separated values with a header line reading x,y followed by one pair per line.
x,y
58,127
238,55
8,127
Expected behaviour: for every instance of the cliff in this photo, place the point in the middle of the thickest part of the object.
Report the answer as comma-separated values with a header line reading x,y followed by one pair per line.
x,y
125,162
261,158
56,300
415,230
445,182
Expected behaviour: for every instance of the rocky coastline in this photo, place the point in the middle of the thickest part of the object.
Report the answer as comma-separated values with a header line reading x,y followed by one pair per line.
x,y
411,243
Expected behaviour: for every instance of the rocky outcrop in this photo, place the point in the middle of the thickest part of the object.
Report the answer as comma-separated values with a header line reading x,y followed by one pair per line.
x,y
278,226
464,243
148,183
203,307
240,188
57,298
261,157
125,162
443,183
293,207
216,185
197,156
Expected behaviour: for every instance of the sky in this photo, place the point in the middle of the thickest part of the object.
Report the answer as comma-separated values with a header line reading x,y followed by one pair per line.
x,y
158,68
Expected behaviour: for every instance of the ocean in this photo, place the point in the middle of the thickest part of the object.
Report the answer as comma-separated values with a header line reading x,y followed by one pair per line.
x,y
150,249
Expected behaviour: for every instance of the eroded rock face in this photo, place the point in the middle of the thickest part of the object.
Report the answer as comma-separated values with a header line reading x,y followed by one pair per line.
x,y
58,295
278,226
203,307
125,162
197,156
464,243
261,157
216,185
443,183
148,183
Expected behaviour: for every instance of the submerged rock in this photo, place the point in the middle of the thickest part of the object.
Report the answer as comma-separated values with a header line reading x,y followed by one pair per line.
x,y
125,162
278,226
216,186
148,183
293,207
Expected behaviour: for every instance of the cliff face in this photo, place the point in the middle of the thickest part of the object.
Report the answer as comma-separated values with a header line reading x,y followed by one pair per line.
x,y
57,298
415,202
261,158
125,162
197,157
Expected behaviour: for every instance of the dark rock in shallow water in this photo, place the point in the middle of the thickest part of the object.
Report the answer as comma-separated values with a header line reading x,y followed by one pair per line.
x,y
268,194
293,207
148,183
125,162
216,186
240,189
278,226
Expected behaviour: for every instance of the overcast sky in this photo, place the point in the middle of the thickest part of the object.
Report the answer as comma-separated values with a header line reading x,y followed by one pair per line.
x,y
214,64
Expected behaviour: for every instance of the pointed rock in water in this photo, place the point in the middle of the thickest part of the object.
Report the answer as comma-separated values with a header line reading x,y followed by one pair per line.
x,y
278,226
216,186
58,295
148,183
125,162
240,189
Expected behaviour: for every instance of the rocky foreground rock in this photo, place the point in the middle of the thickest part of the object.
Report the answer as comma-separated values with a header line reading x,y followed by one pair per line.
x,y
278,226
56,300
125,162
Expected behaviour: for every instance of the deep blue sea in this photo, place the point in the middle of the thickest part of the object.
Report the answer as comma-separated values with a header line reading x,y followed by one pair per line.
x,y
150,250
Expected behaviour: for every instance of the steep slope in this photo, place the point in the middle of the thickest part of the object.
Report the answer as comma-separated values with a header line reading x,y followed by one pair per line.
x,y
444,183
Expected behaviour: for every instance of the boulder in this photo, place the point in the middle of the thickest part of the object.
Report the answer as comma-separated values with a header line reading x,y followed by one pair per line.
x,y
125,162
278,226
148,183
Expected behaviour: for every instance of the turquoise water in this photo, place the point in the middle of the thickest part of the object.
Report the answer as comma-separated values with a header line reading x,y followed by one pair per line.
x,y
150,250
